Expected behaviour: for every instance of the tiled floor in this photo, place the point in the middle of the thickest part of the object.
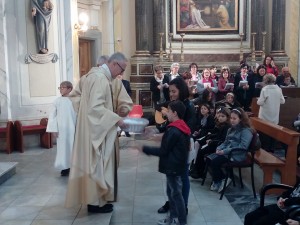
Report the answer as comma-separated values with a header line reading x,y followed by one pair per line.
x,y
35,194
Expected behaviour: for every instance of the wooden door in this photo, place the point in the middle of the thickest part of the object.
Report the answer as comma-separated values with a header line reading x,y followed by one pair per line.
x,y
85,63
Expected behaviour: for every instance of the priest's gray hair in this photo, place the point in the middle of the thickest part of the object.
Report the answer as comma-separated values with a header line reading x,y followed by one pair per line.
x,y
117,57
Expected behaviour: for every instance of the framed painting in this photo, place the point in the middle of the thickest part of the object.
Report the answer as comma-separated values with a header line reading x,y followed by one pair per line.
x,y
207,15
202,19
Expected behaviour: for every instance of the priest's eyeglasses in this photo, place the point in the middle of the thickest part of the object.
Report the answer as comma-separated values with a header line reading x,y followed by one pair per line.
x,y
122,70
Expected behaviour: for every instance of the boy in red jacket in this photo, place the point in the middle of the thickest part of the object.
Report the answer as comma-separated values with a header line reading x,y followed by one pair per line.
x,y
173,154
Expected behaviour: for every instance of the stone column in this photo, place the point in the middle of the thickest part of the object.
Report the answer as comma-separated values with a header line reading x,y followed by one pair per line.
x,y
258,22
159,25
144,27
278,27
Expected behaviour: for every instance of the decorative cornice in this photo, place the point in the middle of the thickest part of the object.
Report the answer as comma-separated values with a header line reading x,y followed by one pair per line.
x,y
91,2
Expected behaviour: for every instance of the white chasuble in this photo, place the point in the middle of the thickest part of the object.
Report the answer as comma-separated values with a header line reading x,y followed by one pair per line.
x,y
93,175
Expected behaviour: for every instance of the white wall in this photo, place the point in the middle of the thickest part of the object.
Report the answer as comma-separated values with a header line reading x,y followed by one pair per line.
x,y
31,88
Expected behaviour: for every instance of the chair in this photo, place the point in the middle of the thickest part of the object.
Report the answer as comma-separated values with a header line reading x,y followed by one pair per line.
x,y
7,134
136,112
247,163
291,212
269,187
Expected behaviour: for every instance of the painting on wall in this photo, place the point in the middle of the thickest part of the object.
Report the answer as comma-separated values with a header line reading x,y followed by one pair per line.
x,y
145,99
207,16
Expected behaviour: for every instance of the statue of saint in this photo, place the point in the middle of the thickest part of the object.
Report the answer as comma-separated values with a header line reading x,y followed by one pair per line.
x,y
41,12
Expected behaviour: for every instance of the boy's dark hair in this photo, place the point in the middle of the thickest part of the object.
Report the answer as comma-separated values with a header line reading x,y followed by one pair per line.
x,y
179,107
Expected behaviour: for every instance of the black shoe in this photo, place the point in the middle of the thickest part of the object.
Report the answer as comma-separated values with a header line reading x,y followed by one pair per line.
x,y
96,209
127,134
65,172
165,208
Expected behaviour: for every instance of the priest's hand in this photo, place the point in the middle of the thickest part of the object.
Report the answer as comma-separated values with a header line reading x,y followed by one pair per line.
x,y
121,124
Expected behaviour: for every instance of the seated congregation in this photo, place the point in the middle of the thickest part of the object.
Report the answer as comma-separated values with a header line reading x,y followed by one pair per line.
x,y
218,114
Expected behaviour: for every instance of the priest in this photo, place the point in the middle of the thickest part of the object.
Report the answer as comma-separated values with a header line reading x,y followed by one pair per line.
x,y
101,101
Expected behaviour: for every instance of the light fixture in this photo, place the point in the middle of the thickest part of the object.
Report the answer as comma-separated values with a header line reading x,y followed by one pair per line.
x,y
82,26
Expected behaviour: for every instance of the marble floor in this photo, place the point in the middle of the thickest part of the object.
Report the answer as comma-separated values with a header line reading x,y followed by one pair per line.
x,y
35,194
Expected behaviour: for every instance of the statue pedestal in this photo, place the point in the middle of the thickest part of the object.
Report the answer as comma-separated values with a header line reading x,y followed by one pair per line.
x,y
41,58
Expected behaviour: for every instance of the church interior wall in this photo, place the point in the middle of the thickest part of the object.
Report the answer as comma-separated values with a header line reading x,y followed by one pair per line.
x,y
124,28
4,93
30,88
107,24
292,36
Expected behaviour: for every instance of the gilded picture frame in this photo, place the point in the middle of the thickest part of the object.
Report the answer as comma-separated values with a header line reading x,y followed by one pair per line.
x,y
207,16
215,23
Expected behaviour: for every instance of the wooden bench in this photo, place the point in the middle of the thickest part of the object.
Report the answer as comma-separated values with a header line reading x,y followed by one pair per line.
x,y
20,131
7,134
268,162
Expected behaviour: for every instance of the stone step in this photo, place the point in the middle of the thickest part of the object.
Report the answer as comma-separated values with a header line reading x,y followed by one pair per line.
x,y
7,170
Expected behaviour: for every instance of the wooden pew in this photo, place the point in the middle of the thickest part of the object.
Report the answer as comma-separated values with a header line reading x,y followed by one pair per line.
x,y
268,162
293,92
20,131
7,134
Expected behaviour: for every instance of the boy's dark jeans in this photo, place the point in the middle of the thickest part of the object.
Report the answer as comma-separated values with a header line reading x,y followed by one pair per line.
x,y
177,204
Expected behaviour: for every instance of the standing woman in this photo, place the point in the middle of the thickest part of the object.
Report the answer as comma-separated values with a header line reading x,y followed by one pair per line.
x,y
269,101
270,65
173,71
206,83
195,78
178,90
194,71
258,79
224,79
159,87
187,77
244,86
